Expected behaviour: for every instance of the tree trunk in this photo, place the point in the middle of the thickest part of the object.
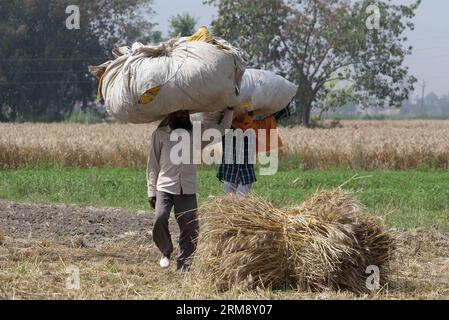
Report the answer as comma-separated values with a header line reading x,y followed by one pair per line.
x,y
304,98
306,109
299,108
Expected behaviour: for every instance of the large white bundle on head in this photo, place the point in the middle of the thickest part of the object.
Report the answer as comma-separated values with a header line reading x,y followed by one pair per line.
x,y
145,83
265,92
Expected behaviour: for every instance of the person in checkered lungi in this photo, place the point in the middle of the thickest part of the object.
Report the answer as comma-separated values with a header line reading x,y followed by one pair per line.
x,y
238,174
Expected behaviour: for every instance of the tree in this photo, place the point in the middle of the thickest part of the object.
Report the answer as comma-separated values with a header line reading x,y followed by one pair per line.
x,y
308,41
183,24
43,64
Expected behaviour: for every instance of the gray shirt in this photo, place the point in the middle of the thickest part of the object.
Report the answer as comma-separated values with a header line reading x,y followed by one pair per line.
x,y
163,174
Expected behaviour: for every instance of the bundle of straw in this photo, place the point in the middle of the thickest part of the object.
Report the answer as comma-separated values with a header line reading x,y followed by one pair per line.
x,y
344,241
325,243
241,244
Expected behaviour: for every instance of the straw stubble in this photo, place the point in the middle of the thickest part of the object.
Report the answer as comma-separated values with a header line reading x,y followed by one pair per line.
x,y
326,243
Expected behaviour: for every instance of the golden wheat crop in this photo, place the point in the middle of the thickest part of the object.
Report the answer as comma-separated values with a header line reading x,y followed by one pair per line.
x,y
371,144
357,144
97,145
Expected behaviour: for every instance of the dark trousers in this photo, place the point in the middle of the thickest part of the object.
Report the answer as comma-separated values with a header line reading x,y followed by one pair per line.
x,y
186,216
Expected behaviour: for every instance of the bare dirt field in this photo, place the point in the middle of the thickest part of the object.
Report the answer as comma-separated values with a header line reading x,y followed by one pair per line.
x,y
116,259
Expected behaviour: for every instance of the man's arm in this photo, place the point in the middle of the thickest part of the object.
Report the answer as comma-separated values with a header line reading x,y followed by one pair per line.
x,y
153,166
224,124
269,122
284,113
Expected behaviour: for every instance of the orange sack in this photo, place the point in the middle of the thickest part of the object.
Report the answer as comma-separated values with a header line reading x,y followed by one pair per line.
x,y
245,121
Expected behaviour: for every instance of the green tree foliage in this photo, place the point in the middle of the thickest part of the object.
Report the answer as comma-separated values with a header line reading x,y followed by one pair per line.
x,y
183,24
309,41
43,64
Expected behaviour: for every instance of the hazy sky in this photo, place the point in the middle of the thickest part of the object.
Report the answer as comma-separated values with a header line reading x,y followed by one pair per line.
x,y
429,62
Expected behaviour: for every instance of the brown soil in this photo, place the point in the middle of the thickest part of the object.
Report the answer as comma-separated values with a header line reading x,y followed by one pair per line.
x,y
59,221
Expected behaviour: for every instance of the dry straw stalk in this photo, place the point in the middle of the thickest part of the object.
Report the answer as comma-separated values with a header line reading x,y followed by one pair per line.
x,y
325,243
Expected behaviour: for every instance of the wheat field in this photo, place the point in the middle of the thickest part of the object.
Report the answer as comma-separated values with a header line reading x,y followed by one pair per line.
x,y
395,145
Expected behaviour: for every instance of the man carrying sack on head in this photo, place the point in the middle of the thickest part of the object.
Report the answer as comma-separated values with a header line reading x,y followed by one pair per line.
x,y
175,185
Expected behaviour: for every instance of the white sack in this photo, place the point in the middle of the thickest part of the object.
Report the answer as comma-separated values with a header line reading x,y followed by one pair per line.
x,y
261,91
265,92
195,76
